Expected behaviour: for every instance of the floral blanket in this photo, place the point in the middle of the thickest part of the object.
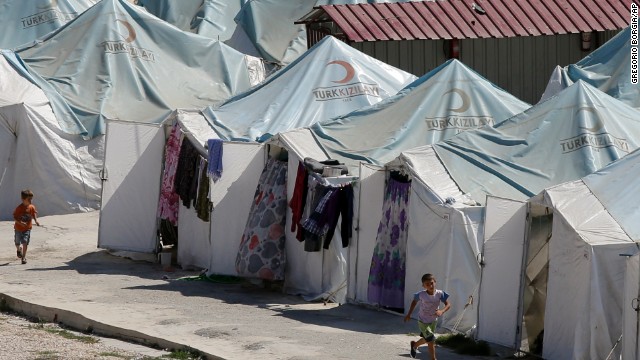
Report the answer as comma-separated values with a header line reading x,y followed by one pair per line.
x,y
261,253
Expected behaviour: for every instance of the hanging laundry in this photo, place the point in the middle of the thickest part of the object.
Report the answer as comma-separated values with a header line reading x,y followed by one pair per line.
x,y
169,199
186,172
334,201
261,253
214,169
388,264
203,205
298,201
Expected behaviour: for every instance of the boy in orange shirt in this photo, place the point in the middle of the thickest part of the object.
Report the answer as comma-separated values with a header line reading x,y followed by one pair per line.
x,y
23,215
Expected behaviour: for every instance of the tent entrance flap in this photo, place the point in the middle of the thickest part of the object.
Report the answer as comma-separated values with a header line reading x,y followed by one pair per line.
x,y
631,315
536,276
129,200
368,212
499,310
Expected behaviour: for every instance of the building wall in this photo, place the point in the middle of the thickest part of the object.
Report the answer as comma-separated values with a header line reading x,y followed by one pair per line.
x,y
520,65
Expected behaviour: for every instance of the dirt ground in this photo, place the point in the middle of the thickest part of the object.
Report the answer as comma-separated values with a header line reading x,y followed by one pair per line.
x,y
23,338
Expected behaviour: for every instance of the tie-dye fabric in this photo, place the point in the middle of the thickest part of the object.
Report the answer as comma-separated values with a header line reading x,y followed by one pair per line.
x,y
168,203
386,276
261,253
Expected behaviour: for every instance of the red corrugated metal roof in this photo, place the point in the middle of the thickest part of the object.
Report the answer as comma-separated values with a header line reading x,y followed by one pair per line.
x,y
464,19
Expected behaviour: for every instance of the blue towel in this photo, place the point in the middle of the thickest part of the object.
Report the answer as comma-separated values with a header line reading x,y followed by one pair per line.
x,y
214,169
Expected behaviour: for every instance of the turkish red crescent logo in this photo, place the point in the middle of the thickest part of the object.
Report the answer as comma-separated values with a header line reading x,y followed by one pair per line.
x,y
130,30
596,124
466,100
351,72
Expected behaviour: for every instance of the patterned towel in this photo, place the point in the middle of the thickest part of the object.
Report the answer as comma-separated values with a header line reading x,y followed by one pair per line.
x,y
214,169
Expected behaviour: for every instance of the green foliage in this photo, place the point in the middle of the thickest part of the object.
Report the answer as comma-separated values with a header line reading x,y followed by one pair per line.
x,y
464,345
69,335
113,354
184,354
47,355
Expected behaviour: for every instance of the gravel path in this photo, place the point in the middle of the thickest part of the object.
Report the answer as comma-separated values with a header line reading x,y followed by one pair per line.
x,y
21,339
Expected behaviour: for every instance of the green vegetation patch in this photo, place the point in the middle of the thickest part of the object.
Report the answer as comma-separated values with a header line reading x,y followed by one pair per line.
x,y
464,345
114,354
69,335
47,355
184,354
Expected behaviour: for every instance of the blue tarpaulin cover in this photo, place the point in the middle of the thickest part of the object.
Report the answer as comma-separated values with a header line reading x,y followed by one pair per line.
x,y
569,136
270,25
210,18
442,103
608,68
329,80
25,21
617,187
116,61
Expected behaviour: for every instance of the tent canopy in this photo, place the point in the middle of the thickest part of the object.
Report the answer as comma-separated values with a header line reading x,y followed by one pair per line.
x,y
33,151
269,24
25,21
573,134
113,62
590,231
618,189
210,18
329,80
442,103
608,68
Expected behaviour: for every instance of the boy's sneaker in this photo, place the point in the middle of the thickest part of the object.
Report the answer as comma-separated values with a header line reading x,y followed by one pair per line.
x,y
24,261
413,349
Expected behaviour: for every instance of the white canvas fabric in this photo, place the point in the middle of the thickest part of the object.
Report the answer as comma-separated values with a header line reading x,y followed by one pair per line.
x,y
132,165
34,150
368,212
583,313
630,315
231,197
502,266
313,275
193,239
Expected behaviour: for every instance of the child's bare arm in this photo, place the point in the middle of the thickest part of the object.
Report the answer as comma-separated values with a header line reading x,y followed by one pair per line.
x,y
411,308
447,306
35,217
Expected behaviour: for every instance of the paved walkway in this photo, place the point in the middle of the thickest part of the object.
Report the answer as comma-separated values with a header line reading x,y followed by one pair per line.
x,y
68,280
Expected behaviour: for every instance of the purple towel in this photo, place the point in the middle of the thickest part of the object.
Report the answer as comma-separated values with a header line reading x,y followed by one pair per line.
x,y
214,169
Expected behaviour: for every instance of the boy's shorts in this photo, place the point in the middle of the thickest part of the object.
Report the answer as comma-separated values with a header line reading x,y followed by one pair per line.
x,y
428,330
22,237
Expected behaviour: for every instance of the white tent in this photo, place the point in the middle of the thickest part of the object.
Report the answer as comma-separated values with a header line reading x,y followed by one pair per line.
x,y
445,236
630,313
424,112
314,275
286,101
35,153
583,309
213,245
515,159
560,254
133,172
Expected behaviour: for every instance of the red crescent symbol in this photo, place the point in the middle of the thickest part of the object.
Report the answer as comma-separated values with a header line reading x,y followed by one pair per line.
x,y
54,4
351,72
130,30
466,100
597,125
